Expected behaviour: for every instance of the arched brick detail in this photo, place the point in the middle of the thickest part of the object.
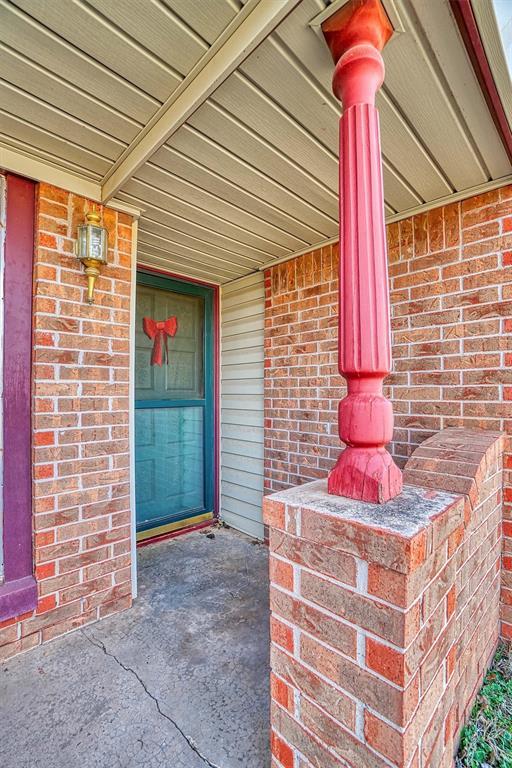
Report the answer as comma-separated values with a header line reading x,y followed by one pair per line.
x,y
456,460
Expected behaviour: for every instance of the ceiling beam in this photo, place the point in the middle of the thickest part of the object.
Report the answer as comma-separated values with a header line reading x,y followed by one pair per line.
x,y
256,20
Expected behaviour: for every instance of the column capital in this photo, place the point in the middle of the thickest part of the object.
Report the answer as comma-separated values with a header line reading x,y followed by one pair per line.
x,y
355,36
357,22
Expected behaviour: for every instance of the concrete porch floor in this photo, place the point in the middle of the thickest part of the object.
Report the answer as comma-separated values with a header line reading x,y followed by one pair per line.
x,y
179,681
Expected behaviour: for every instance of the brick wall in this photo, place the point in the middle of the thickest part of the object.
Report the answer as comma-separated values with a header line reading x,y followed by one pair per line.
x,y
384,621
451,294
81,510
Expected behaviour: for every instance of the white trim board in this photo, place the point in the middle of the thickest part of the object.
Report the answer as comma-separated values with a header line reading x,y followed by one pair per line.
x,y
38,170
131,411
31,168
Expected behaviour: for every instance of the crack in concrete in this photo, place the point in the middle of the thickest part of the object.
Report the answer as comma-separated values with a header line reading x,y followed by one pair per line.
x,y
191,743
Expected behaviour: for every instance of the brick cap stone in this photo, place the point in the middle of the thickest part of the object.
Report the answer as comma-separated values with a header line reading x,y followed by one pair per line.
x,y
455,460
405,515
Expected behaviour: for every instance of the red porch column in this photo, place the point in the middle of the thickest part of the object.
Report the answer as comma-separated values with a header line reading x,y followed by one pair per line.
x,y
365,470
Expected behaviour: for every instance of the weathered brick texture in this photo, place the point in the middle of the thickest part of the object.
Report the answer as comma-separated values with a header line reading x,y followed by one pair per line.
x,y
451,304
382,629
81,511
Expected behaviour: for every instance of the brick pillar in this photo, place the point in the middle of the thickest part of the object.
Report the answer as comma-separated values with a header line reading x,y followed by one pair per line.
x,y
81,501
384,618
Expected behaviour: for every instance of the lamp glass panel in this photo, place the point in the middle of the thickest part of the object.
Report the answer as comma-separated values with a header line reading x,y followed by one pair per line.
x,y
82,242
97,243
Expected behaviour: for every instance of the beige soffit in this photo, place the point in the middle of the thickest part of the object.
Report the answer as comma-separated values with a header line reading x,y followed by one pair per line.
x,y
248,173
250,26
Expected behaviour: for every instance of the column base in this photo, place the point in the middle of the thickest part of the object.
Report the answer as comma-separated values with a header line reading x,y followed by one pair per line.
x,y
366,474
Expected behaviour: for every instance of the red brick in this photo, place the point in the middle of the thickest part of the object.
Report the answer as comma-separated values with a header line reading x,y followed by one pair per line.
x,y
451,602
432,659
337,633
273,514
389,623
338,704
44,538
62,627
455,539
281,692
338,739
383,738
386,661
282,751
387,584
451,660
331,562
281,634
378,694
9,650
45,604
44,438
310,746
372,544
115,606
281,573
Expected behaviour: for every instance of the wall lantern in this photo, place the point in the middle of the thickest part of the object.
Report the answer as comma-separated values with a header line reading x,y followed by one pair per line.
x,y
91,248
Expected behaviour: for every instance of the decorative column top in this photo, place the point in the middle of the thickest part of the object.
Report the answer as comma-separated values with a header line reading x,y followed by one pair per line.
x,y
355,35
358,21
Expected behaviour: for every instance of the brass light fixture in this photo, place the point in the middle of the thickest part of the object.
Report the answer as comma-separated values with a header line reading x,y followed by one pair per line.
x,y
91,249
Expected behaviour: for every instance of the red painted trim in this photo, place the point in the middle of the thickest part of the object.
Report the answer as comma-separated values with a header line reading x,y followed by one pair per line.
x,y
468,28
175,534
18,593
216,365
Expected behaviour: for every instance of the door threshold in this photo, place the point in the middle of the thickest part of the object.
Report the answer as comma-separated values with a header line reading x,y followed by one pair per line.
x,y
171,530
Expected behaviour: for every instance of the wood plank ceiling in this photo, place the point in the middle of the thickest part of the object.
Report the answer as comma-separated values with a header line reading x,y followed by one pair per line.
x,y
252,174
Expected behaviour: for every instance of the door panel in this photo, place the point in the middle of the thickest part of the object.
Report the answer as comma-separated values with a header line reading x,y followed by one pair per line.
x,y
174,404
183,377
170,462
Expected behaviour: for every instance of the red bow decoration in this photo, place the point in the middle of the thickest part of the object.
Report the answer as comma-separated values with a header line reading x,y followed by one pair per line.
x,y
159,331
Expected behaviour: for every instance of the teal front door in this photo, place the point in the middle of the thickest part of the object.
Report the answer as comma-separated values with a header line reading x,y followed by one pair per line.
x,y
174,404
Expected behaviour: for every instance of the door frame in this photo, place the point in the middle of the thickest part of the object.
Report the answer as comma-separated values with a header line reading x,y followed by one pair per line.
x,y
149,270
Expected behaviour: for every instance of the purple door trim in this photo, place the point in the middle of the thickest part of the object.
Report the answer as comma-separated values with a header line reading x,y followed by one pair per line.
x,y
18,593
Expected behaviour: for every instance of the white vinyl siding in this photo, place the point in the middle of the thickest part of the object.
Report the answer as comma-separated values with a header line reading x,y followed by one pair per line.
x,y
242,319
